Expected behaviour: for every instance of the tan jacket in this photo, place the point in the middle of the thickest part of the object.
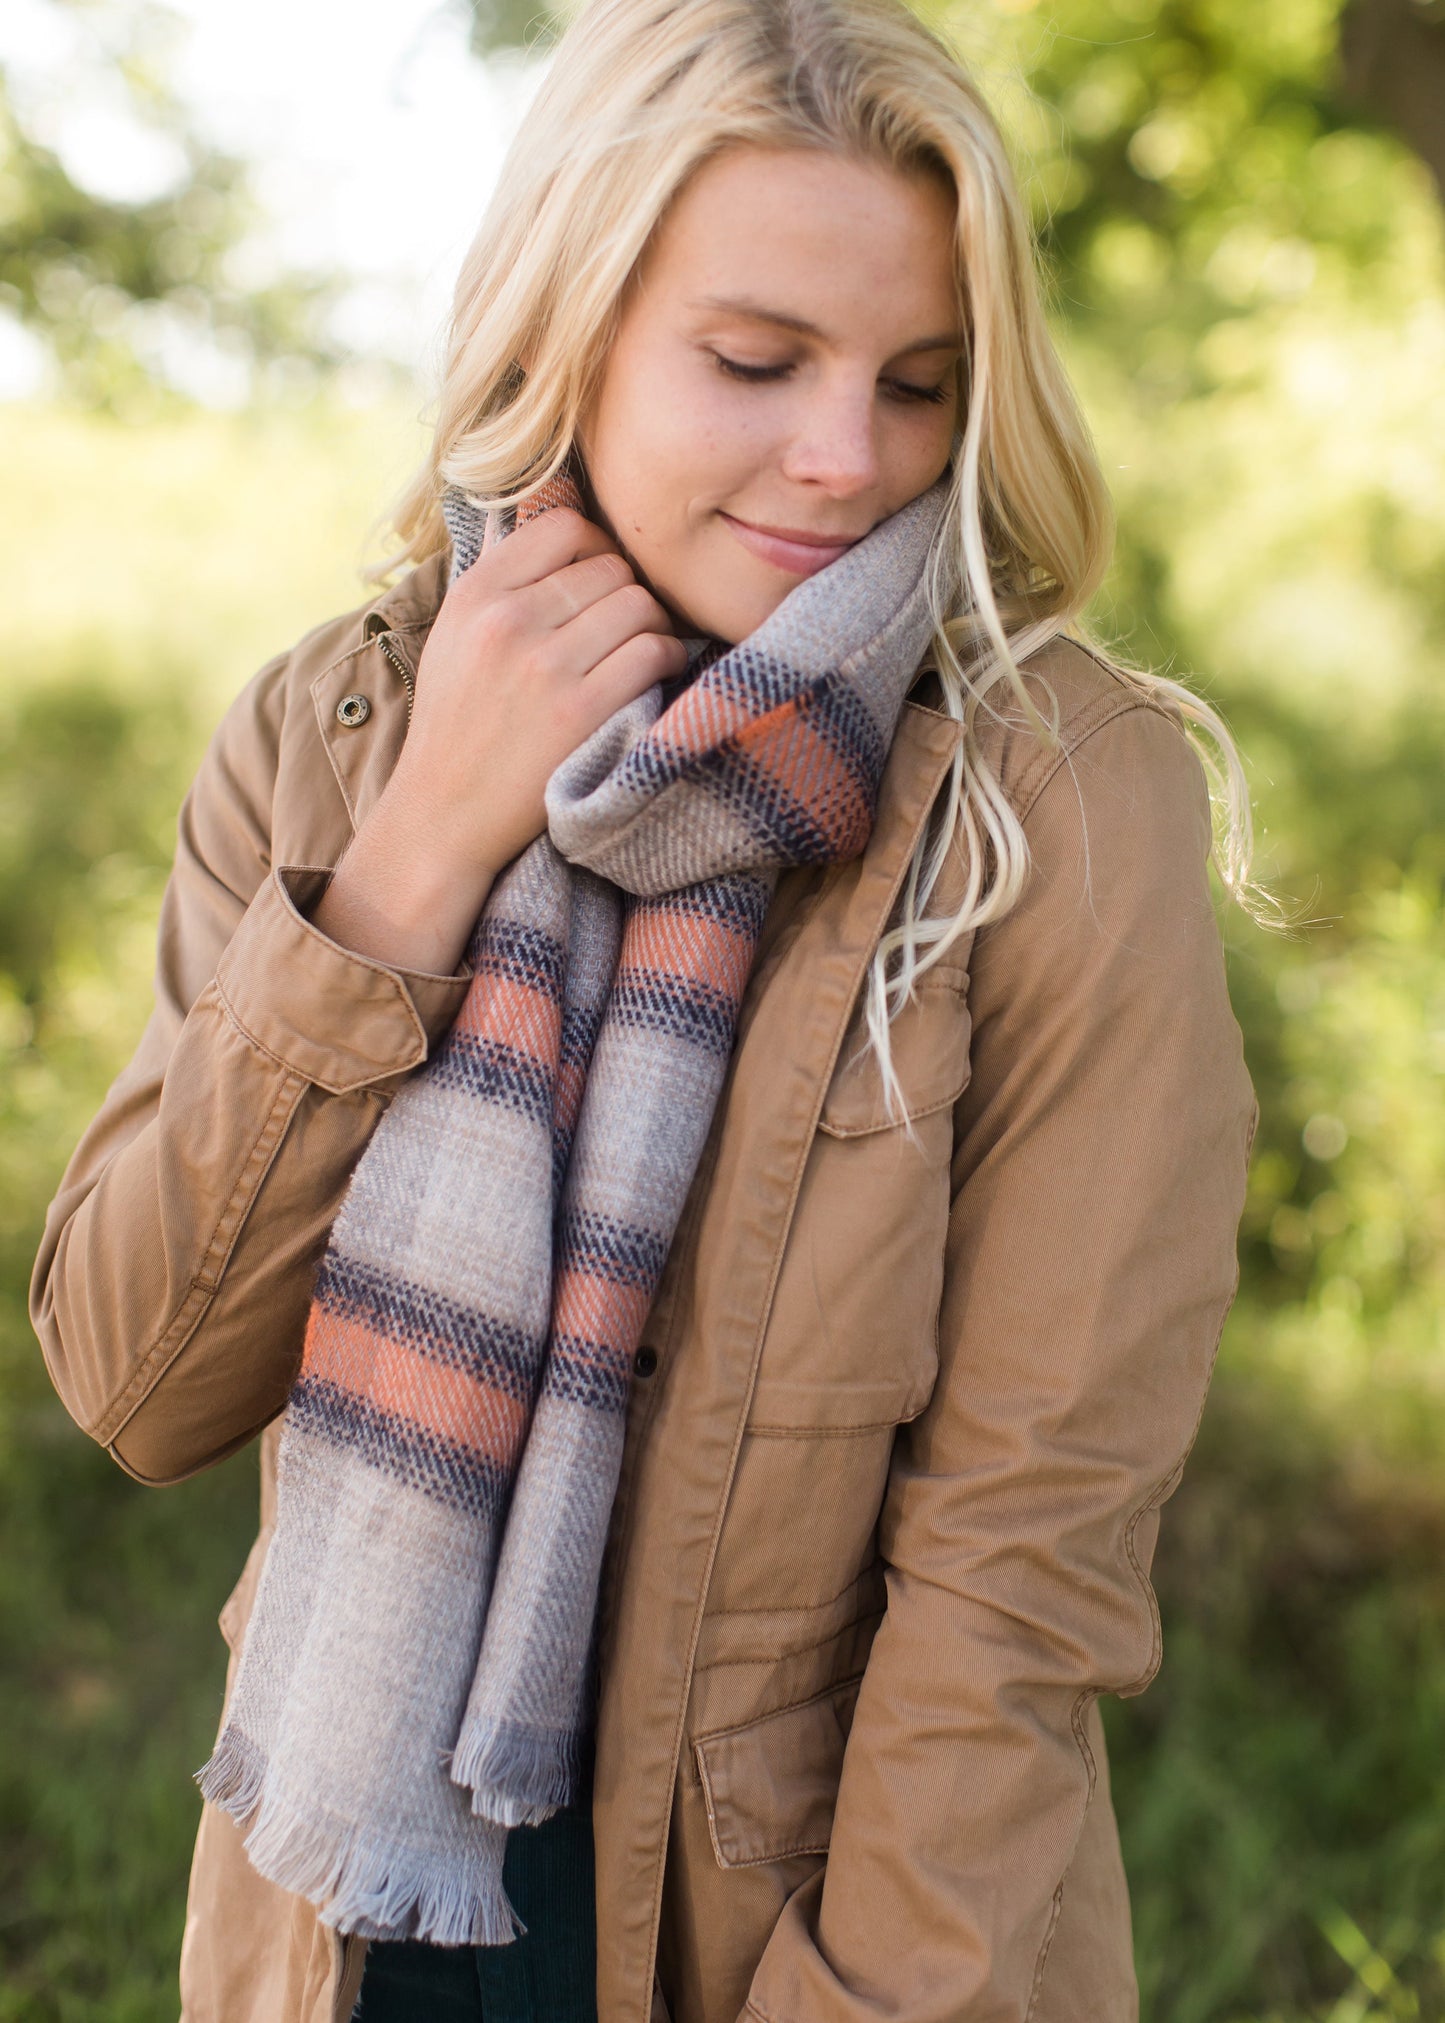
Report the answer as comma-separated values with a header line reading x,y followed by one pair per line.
x,y
907,1406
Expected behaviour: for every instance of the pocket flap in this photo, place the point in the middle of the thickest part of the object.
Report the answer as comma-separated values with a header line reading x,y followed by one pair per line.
x,y
771,1784
930,1048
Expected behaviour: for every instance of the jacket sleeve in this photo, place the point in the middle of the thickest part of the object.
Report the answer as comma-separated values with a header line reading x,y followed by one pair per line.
x,y
171,1287
1098,1180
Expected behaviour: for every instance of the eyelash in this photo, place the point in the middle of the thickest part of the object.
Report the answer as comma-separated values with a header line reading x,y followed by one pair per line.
x,y
757,375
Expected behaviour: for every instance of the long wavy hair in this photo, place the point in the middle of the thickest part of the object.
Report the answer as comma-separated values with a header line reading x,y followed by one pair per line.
x,y
639,94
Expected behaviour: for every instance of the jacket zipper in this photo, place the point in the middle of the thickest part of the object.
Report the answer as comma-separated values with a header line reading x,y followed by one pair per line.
x,y
385,642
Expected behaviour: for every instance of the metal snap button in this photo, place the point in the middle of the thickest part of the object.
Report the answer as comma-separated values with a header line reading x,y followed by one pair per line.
x,y
645,1361
352,710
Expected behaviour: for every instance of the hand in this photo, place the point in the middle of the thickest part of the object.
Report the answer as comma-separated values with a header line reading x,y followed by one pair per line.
x,y
544,638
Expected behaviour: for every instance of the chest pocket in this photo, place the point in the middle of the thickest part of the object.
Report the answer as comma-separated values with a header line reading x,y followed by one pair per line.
x,y
930,1050
852,1338
851,1348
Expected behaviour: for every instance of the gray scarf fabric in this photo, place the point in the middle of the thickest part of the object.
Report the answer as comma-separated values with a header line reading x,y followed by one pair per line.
x,y
416,1677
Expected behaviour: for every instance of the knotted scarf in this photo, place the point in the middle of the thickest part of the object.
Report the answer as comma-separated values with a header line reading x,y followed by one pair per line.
x,y
417,1673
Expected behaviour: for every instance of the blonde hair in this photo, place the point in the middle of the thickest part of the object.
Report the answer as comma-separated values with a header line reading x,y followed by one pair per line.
x,y
640,93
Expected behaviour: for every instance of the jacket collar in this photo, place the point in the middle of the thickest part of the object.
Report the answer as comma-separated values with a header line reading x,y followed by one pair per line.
x,y
378,667
412,602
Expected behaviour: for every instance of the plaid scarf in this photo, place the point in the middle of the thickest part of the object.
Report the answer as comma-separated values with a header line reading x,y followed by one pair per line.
x,y
417,1674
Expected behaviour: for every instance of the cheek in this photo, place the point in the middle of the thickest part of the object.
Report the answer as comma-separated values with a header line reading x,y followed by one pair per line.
x,y
670,447
713,439
917,452
641,441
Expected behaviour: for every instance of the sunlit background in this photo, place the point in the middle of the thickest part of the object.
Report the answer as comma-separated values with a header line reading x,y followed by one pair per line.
x,y
227,234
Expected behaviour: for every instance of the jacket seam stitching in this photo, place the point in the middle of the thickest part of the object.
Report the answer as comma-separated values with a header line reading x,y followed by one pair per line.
x,y
1050,762
800,1608
844,1132
871,1615
1043,763
781,1429
784,1657
814,1699
741,1728
1076,1722
394,973
767,1860
956,981
1055,1909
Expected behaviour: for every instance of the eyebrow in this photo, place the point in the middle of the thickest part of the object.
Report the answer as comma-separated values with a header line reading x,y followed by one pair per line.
x,y
758,312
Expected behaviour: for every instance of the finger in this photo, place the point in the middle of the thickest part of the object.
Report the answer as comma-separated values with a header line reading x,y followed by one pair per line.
x,y
577,649
629,671
555,600
548,543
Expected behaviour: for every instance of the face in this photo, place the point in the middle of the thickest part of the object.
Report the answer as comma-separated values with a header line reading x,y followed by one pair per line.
x,y
784,377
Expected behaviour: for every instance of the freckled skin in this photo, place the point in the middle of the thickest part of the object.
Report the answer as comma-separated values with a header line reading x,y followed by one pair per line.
x,y
854,417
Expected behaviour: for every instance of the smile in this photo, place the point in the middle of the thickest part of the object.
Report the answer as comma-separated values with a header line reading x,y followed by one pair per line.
x,y
787,548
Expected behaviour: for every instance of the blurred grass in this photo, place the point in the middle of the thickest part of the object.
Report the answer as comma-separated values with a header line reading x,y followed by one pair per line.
x,y
160,567
1253,299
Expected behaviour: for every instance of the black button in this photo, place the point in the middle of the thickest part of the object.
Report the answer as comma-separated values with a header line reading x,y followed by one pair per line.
x,y
645,1361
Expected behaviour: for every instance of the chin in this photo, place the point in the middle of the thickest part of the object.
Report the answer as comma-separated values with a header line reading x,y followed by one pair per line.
x,y
729,603
735,615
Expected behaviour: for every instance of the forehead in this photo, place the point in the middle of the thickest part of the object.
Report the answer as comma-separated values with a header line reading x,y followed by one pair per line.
x,y
854,248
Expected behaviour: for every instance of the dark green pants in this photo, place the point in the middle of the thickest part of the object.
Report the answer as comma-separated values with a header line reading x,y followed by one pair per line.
x,y
549,1975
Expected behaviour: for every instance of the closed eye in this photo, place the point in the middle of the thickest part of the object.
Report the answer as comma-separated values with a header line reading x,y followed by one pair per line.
x,y
756,375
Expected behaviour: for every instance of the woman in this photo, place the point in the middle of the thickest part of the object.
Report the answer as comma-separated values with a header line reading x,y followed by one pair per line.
x,y
760,971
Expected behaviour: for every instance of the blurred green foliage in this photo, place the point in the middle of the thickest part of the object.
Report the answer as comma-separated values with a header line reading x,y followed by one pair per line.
x,y
1249,282
114,287
106,1660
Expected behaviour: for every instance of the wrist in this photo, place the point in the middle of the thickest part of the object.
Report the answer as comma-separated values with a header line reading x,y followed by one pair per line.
x,y
402,896
440,852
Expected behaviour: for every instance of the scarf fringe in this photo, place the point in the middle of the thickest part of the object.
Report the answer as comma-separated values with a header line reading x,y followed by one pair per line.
x,y
517,1776
375,1892
233,1776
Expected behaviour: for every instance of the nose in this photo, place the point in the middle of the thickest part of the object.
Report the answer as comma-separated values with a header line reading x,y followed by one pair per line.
x,y
834,444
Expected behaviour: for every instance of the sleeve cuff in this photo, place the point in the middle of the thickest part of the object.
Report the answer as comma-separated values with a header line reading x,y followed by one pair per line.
x,y
336,1018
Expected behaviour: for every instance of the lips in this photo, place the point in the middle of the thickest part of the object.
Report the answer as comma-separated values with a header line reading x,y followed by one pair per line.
x,y
791,549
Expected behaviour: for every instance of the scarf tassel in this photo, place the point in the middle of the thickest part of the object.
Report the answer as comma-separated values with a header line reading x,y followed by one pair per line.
x,y
374,1891
517,1776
